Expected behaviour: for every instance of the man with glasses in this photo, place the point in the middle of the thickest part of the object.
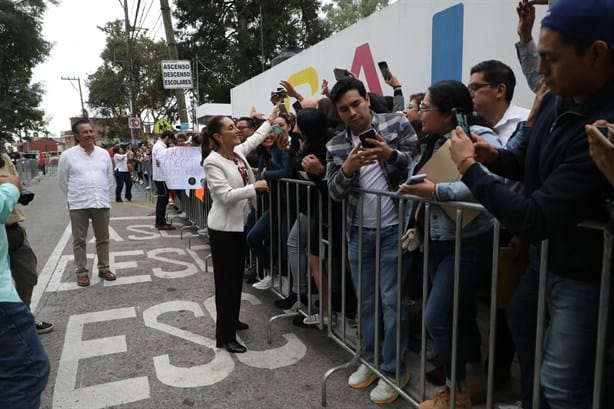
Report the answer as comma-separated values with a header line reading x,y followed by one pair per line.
x,y
492,86
246,126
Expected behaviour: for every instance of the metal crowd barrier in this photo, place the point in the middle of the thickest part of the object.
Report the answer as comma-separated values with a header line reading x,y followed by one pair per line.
x,y
27,169
415,392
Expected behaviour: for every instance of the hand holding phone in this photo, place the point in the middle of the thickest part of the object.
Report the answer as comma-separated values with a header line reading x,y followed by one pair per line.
x,y
461,120
365,138
383,67
340,73
419,178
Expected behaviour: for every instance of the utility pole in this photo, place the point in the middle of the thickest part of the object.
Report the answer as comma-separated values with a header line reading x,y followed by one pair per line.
x,y
78,79
131,101
172,53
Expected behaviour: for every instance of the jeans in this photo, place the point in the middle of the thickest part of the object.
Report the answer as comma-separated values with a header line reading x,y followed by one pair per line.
x,y
24,366
475,256
121,179
256,237
569,344
386,294
297,253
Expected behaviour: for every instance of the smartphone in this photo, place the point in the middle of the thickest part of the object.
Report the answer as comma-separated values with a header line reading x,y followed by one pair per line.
x,y
601,132
280,93
365,136
461,120
419,178
383,67
279,133
340,73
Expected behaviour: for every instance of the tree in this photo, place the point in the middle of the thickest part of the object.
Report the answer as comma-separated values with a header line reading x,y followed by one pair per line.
x,y
343,13
139,62
21,49
233,40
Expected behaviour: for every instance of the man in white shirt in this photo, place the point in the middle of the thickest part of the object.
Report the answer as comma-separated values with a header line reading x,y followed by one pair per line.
x,y
85,176
158,177
492,86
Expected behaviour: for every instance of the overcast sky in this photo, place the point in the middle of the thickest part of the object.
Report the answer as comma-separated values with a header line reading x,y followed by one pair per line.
x,y
71,29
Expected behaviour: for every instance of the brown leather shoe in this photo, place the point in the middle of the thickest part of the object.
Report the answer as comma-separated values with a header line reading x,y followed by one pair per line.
x,y
83,280
107,275
165,227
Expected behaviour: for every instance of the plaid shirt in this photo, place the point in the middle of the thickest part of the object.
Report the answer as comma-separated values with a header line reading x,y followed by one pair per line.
x,y
399,134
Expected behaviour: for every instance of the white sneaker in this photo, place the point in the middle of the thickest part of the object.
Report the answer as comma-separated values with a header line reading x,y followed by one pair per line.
x,y
264,284
362,377
183,215
203,232
315,320
384,393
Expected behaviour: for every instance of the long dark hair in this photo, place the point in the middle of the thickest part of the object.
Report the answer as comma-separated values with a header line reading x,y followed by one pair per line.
x,y
313,125
208,143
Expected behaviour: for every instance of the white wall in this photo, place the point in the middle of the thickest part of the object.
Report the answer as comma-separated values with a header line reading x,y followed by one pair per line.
x,y
400,34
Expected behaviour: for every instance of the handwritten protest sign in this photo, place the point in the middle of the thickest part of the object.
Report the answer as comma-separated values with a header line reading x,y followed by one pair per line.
x,y
181,167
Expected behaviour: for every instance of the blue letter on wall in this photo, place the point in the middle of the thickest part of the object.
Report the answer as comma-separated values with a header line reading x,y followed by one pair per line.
x,y
447,51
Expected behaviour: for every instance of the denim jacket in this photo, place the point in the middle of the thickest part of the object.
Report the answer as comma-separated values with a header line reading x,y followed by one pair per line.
x,y
441,226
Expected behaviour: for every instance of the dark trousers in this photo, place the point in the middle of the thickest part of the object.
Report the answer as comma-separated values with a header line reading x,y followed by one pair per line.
x,y
23,268
228,251
161,202
121,179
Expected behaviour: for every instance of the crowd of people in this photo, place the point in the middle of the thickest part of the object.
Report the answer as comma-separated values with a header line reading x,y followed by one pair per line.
x,y
519,163
538,171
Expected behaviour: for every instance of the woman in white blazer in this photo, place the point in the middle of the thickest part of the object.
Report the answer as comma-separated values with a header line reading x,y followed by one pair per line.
x,y
232,185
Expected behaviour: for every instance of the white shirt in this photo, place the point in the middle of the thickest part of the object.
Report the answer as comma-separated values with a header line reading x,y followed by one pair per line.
x,y
372,178
86,180
509,121
121,162
156,154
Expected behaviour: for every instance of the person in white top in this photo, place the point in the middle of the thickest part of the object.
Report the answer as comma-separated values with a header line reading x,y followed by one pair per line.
x,y
232,186
492,86
158,178
123,177
85,176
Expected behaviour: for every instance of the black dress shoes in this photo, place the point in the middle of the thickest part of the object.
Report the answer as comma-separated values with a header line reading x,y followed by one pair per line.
x,y
231,346
242,325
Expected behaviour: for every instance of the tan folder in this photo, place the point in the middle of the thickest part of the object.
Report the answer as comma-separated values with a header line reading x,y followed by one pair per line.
x,y
440,168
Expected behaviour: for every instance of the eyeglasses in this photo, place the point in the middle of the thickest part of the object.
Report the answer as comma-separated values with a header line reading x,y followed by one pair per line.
x,y
240,128
424,108
474,86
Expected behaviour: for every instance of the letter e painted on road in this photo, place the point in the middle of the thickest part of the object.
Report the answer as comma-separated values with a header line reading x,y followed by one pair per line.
x,y
66,395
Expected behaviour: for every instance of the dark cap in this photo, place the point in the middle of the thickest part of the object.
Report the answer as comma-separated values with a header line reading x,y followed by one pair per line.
x,y
583,20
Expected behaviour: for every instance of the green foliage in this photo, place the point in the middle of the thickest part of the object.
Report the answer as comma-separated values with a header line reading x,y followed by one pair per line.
x,y
109,85
232,45
21,49
343,13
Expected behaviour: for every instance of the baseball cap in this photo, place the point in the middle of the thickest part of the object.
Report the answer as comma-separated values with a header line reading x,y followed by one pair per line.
x,y
583,20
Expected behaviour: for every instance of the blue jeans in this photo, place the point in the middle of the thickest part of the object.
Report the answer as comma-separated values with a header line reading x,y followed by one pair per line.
x,y
569,344
475,257
256,237
24,366
388,289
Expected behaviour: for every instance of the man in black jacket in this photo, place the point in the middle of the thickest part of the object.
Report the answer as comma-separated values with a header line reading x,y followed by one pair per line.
x,y
563,187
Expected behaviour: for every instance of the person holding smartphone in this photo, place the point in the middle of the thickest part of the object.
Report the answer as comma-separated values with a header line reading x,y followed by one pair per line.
x,y
563,187
442,105
381,167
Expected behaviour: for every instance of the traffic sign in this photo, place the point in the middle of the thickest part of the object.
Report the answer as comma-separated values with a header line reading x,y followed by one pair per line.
x,y
176,74
134,123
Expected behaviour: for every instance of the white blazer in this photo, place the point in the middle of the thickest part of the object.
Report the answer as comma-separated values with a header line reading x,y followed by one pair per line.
x,y
230,197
